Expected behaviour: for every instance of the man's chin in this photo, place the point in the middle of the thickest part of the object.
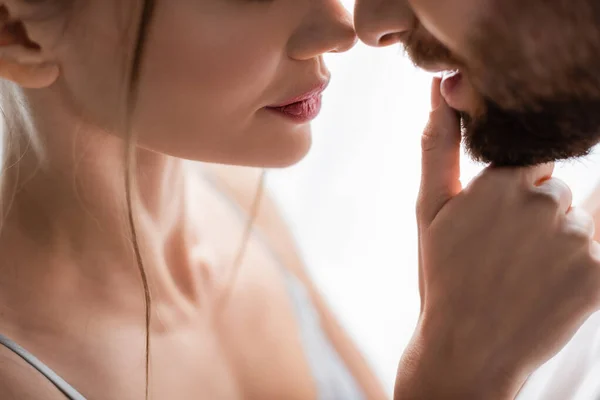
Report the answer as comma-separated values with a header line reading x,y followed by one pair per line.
x,y
520,139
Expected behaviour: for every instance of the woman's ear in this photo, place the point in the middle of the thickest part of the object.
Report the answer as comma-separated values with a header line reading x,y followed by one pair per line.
x,y
22,60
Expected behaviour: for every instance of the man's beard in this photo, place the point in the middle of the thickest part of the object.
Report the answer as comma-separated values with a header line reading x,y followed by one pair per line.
x,y
555,130
541,125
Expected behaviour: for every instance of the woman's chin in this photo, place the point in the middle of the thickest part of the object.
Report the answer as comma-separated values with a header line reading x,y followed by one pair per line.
x,y
268,141
277,155
265,147
280,147
281,156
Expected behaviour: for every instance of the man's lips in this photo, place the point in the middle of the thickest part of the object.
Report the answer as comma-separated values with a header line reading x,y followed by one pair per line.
x,y
437,67
452,85
461,95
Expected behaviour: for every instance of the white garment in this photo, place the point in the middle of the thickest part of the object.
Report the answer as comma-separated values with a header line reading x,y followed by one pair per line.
x,y
574,374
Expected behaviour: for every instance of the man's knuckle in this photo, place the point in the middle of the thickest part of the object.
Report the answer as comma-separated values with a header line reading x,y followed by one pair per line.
x,y
423,209
429,141
419,209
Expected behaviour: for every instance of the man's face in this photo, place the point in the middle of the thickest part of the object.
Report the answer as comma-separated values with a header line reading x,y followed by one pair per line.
x,y
528,90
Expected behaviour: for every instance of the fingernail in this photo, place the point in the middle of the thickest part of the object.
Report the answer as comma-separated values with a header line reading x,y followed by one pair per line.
x,y
436,94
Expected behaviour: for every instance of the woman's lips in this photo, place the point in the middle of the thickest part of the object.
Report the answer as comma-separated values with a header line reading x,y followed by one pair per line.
x,y
303,108
301,111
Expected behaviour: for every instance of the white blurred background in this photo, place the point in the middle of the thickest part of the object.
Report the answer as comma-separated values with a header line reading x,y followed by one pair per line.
x,y
351,201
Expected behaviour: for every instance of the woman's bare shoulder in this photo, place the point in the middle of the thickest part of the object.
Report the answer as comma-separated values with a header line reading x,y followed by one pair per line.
x,y
20,381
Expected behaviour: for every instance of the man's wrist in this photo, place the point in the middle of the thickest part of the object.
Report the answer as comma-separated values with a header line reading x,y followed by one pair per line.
x,y
429,371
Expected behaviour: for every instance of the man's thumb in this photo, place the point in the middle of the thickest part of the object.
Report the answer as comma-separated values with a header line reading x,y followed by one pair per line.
x,y
440,173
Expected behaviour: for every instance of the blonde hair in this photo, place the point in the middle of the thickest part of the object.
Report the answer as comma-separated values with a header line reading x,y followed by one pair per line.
x,y
134,80
11,152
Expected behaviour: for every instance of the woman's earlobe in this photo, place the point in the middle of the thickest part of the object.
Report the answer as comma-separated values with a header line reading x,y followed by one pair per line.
x,y
21,59
29,75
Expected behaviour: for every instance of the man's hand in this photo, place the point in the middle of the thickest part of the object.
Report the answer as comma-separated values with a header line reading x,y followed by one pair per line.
x,y
508,273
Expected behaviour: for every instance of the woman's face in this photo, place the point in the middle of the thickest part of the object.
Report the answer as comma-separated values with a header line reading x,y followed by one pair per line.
x,y
211,71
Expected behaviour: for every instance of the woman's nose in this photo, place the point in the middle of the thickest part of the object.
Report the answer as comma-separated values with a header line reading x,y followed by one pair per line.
x,y
383,22
328,29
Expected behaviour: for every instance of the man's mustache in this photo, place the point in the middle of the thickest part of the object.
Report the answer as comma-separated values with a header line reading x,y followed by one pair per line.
x,y
428,53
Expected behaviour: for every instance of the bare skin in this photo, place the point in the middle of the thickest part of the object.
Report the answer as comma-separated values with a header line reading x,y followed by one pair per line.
x,y
70,291
508,271
592,205
197,350
74,296
490,317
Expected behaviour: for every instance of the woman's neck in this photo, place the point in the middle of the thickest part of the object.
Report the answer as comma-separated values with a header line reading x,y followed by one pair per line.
x,y
66,223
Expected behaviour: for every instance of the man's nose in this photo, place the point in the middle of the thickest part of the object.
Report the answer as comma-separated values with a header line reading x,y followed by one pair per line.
x,y
383,22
